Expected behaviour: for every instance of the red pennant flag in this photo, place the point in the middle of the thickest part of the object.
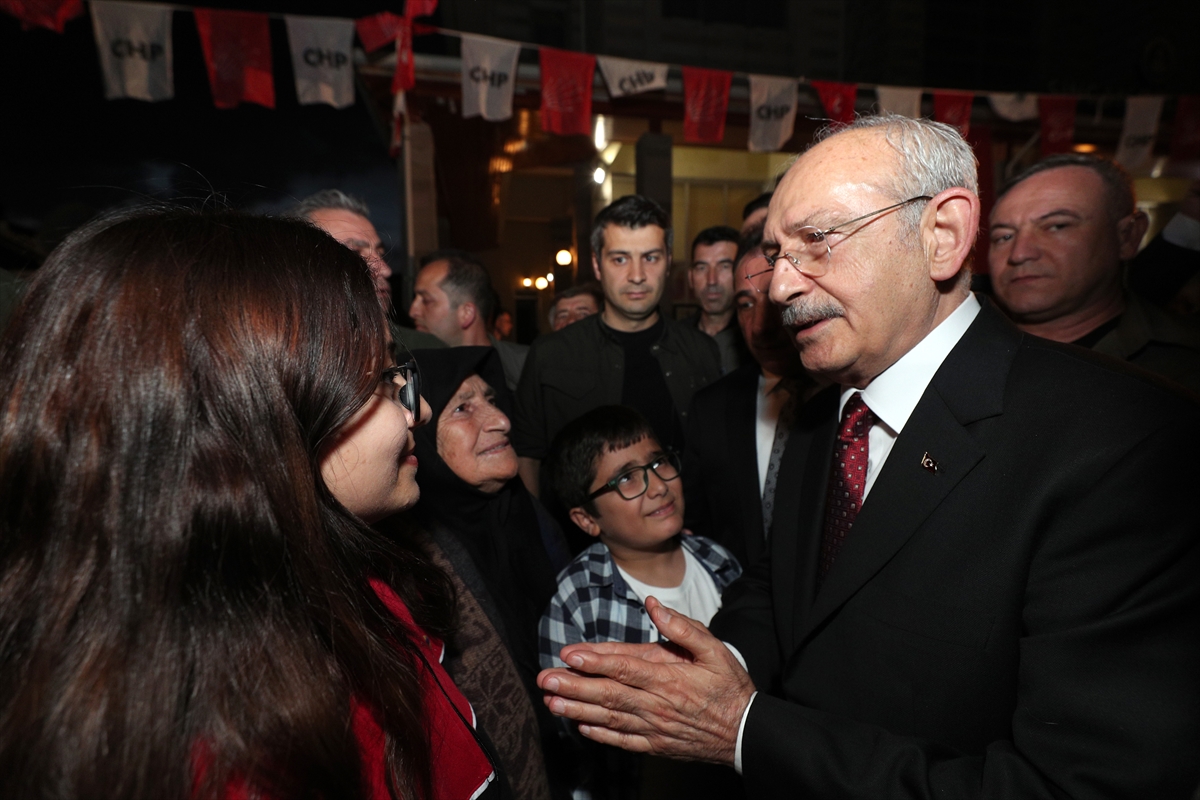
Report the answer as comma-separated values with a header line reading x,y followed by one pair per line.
x,y
980,139
705,99
566,90
954,108
406,76
419,8
237,51
1057,114
52,14
1185,133
377,30
838,100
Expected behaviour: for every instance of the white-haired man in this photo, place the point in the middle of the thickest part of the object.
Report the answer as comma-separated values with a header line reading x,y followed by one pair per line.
x,y
983,581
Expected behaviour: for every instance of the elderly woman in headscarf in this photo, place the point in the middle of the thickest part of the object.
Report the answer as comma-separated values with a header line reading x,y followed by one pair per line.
x,y
502,550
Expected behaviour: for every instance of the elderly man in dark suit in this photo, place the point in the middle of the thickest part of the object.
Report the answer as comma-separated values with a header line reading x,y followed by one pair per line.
x,y
738,425
983,583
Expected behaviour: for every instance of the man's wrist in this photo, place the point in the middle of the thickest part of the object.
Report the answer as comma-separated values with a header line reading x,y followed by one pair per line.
x,y
737,750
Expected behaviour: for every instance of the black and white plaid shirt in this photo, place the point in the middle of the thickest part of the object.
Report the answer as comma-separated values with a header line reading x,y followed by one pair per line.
x,y
594,603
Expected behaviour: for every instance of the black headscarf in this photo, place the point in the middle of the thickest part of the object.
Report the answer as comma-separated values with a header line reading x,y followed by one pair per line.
x,y
500,531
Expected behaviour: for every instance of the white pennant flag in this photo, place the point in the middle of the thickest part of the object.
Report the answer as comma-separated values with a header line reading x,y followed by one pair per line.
x,y
322,60
489,75
1014,107
772,112
134,41
902,100
1136,148
625,77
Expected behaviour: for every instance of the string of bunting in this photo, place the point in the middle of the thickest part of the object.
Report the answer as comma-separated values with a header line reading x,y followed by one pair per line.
x,y
135,50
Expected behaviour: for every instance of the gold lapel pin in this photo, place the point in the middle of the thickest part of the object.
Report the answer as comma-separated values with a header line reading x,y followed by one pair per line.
x,y
928,463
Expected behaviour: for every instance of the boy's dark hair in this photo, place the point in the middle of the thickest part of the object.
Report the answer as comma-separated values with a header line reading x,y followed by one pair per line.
x,y
710,236
576,451
466,281
631,211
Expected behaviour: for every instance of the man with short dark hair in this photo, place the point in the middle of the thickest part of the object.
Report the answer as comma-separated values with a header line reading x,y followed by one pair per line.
x,y
575,303
982,581
347,219
738,426
1060,233
629,354
714,251
453,299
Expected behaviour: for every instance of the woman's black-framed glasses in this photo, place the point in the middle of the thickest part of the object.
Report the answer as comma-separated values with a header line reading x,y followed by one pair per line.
x,y
408,395
635,481
815,253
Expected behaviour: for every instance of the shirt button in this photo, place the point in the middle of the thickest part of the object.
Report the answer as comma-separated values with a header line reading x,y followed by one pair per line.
x,y
667,373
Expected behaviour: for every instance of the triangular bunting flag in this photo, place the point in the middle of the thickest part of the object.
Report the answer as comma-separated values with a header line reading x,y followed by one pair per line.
x,y
625,77
1014,107
378,30
953,108
1185,134
322,59
902,100
237,51
419,8
566,90
705,99
134,43
772,112
837,100
489,75
405,76
52,14
1058,123
1135,150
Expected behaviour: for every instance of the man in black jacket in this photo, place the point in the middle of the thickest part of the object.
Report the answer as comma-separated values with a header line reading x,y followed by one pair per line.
x,y
982,582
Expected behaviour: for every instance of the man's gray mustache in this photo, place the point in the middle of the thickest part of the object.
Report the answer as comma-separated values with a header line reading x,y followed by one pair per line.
x,y
798,314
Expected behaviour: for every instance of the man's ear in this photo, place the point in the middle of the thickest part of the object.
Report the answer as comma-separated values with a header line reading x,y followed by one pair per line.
x,y
1130,232
586,522
596,266
948,230
466,314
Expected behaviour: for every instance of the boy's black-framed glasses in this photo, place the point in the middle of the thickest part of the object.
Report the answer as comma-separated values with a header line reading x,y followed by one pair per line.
x,y
635,481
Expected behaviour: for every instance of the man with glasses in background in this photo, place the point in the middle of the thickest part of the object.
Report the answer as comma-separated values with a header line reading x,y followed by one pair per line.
x,y
982,582
1060,234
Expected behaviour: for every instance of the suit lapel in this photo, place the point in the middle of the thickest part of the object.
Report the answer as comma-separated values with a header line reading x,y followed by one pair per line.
x,y
969,386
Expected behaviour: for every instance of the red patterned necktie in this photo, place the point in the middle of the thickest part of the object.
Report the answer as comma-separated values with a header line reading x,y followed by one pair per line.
x,y
846,480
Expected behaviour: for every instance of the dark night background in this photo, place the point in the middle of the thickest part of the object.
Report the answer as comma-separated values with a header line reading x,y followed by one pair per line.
x,y
68,152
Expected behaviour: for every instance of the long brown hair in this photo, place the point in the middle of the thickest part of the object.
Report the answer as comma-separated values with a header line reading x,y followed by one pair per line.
x,y
183,604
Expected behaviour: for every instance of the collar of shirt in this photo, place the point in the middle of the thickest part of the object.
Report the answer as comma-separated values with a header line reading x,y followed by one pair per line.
x,y
895,392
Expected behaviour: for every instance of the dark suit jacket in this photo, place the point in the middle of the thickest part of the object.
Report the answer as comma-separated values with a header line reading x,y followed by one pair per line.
x,y
720,465
1023,622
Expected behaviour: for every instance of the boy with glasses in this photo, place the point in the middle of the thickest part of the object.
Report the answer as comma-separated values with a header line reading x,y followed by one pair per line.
x,y
623,488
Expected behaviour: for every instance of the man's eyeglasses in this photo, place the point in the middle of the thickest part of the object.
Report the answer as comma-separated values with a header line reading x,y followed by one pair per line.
x,y
635,481
813,256
408,394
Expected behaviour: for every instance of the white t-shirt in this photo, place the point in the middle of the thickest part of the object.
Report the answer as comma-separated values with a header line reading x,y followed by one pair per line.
x,y
697,597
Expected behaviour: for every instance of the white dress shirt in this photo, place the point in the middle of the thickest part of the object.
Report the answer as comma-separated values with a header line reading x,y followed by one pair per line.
x,y
892,396
767,406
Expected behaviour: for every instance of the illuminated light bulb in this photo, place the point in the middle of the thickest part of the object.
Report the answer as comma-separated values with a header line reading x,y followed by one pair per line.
x,y
550,277
563,258
527,282
541,283
598,175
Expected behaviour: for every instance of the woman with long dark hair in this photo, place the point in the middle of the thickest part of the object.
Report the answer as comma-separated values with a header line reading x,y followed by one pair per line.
x,y
194,439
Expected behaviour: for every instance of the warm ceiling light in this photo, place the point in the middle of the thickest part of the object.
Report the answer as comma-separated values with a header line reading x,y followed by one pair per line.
x,y
527,282
562,258
541,283
550,277
1084,148
598,175
599,137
